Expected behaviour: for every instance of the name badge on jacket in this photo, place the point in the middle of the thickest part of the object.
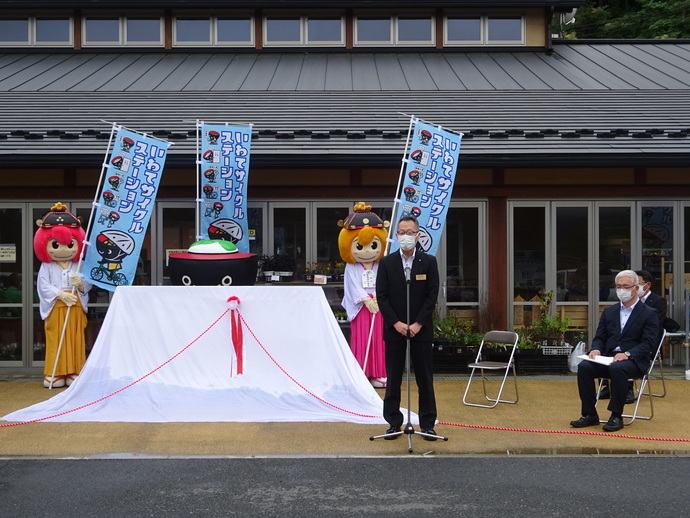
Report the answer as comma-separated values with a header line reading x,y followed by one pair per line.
x,y
420,276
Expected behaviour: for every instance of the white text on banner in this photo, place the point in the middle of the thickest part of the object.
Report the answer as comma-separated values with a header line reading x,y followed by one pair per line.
x,y
224,175
428,183
125,204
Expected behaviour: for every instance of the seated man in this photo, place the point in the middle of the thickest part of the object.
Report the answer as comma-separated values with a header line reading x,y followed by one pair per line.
x,y
628,332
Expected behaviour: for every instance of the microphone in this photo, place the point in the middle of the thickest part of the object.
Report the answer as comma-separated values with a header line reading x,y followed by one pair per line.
x,y
407,274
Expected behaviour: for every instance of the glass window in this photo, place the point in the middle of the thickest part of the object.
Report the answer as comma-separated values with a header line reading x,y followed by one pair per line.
x,y
14,30
326,30
614,249
686,279
143,30
373,29
327,233
464,29
657,244
11,285
415,30
193,30
289,234
53,30
234,30
462,256
529,262
178,233
572,253
283,30
255,226
102,30
39,345
504,29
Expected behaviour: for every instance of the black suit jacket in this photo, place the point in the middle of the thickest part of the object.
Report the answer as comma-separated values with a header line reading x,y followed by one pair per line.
x,y
660,305
640,336
391,294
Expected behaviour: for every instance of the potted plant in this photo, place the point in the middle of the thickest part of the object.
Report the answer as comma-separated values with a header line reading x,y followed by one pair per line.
x,y
284,266
445,332
340,316
549,329
309,272
455,344
267,267
324,268
338,271
537,341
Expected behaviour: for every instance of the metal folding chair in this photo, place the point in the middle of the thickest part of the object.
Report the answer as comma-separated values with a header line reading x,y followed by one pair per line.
x,y
507,338
644,389
660,359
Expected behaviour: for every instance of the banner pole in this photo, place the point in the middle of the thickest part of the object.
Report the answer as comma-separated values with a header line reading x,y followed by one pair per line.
x,y
197,215
94,204
400,180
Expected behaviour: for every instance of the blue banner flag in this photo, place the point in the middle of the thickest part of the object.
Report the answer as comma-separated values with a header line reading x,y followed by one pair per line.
x,y
124,208
428,182
224,173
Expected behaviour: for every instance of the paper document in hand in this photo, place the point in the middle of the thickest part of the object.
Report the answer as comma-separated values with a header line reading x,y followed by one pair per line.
x,y
605,360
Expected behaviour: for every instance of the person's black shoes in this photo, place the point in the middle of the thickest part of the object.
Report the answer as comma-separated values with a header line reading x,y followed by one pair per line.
x,y
585,420
630,397
390,431
614,424
429,431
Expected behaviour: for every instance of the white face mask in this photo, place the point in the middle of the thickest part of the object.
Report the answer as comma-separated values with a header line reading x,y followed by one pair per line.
x,y
624,295
407,242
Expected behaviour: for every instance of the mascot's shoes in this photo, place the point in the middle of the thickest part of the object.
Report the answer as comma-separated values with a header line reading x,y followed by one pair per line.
x,y
378,382
70,378
58,381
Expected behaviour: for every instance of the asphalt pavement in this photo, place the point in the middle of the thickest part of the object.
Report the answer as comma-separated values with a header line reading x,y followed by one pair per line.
x,y
477,486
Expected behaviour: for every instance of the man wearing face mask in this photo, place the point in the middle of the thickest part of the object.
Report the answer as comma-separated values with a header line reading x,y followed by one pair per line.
x,y
628,332
650,298
408,265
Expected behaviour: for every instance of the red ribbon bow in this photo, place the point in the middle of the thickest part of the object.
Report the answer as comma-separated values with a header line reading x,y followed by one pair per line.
x,y
236,332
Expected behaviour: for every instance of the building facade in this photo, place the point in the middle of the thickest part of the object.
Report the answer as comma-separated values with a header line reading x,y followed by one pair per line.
x,y
574,160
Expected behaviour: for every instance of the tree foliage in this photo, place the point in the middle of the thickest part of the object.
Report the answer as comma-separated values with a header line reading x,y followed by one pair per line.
x,y
630,19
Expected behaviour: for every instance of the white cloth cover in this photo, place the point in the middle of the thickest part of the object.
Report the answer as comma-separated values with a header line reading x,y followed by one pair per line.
x,y
147,326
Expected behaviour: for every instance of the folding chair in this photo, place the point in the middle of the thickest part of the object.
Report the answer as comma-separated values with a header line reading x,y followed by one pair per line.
x,y
661,369
644,385
494,337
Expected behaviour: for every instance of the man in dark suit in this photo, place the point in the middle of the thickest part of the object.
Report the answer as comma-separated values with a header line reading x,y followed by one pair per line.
x,y
628,332
408,265
647,296
650,298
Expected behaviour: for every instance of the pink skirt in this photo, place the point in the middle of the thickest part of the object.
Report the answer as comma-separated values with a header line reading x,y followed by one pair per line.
x,y
360,327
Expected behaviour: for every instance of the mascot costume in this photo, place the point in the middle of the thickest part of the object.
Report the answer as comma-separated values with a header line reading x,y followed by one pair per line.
x,y
57,244
362,242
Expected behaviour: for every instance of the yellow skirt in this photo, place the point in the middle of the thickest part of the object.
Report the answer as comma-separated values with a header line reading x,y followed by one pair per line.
x,y
73,351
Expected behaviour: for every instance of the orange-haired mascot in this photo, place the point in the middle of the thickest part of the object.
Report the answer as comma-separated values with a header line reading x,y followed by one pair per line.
x,y
362,242
57,244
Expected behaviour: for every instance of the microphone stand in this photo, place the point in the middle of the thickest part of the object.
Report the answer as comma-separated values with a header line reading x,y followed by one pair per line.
x,y
408,429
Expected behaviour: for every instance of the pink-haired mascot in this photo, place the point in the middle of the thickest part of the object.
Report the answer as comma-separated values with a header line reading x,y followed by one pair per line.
x,y
57,244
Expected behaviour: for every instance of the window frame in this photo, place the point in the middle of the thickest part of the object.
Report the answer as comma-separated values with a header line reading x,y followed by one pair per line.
x,y
252,31
70,31
32,32
304,30
213,31
484,30
86,43
394,24
122,31
137,43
